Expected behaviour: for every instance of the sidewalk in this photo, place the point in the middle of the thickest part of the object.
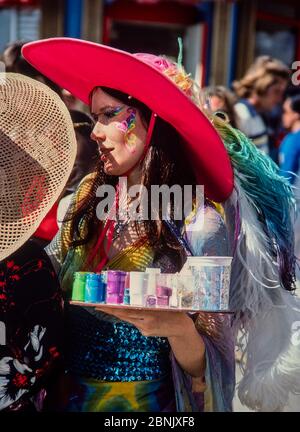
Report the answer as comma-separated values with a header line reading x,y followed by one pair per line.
x,y
237,405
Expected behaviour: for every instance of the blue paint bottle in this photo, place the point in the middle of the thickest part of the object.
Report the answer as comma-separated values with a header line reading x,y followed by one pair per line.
x,y
94,288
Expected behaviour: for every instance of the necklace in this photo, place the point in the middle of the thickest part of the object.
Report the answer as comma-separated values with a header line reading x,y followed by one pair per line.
x,y
119,227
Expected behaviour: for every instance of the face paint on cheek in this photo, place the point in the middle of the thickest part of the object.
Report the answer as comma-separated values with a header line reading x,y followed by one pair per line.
x,y
118,110
127,126
122,126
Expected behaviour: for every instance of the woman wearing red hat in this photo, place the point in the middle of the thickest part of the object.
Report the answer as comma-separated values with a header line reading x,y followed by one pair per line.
x,y
150,129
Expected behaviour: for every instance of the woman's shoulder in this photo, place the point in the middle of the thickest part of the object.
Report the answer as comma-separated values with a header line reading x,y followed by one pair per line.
x,y
86,182
206,231
83,189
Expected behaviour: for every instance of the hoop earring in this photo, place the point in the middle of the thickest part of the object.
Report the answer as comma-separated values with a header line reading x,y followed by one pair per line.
x,y
222,115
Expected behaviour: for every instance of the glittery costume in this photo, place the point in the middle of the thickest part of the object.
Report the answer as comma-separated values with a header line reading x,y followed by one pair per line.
x,y
112,367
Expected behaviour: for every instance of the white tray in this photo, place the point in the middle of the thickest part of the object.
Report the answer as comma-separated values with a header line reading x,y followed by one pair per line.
x,y
159,309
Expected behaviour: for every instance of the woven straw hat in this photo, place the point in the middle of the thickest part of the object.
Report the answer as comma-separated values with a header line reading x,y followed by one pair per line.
x,y
37,153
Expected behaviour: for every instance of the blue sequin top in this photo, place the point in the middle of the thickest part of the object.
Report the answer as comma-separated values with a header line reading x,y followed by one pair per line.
x,y
106,349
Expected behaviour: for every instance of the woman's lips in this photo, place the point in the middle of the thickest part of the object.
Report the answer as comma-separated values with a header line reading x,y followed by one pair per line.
x,y
104,158
105,152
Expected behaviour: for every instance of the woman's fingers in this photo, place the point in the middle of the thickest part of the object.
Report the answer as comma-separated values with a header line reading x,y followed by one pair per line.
x,y
151,323
122,315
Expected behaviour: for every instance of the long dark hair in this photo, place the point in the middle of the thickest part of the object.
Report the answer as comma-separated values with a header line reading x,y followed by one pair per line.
x,y
164,163
295,103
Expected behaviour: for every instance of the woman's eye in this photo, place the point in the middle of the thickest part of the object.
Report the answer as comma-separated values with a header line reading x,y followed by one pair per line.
x,y
110,114
113,112
107,114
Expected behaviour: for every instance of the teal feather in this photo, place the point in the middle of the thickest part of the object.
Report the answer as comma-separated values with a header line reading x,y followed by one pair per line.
x,y
271,194
180,54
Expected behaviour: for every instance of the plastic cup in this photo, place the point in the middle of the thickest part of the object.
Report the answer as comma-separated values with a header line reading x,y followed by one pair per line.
x,y
212,282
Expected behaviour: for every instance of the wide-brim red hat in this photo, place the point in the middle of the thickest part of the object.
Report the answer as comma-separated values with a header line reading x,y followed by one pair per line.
x,y
80,66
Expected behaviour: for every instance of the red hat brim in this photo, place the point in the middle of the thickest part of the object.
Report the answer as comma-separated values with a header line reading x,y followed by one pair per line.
x,y
79,66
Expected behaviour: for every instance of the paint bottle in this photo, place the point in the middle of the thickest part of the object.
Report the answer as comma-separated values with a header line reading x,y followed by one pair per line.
x,y
115,286
151,299
152,272
163,294
138,288
78,291
104,283
163,291
126,299
94,288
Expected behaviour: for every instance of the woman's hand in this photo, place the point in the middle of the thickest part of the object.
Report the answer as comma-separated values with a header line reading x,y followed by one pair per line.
x,y
154,323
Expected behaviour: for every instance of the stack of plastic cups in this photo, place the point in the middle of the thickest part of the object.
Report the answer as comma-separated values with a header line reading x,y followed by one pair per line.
x,y
212,280
78,291
115,287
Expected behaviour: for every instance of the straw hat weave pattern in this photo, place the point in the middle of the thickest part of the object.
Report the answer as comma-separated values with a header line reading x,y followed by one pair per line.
x,y
37,153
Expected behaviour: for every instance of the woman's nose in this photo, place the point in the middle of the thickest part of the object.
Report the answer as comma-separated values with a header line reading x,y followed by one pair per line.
x,y
97,133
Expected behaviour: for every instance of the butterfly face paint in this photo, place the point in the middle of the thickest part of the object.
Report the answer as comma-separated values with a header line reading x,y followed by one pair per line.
x,y
127,126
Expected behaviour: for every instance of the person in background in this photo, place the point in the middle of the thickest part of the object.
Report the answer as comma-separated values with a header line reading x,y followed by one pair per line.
x,y
260,91
87,150
289,152
289,159
73,104
15,62
35,124
85,162
220,101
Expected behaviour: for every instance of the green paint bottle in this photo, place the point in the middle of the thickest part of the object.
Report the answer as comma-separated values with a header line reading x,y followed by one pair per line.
x,y
78,291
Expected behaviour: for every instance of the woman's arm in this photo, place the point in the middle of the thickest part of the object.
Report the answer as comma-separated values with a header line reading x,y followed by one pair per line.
x,y
189,349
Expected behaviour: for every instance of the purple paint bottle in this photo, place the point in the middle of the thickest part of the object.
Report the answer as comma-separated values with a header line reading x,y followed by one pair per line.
x,y
115,287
